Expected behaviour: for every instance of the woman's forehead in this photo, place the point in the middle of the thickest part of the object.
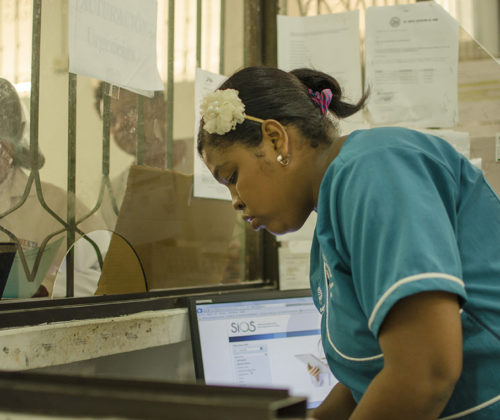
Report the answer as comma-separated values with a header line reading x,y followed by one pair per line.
x,y
218,158
227,153
213,156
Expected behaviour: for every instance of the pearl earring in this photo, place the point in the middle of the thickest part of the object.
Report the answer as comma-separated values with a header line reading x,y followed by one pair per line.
x,y
283,161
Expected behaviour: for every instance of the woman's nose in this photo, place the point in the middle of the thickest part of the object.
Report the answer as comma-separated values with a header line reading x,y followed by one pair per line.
x,y
236,201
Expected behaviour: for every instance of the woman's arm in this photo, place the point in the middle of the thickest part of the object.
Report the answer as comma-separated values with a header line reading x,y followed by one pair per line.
x,y
421,339
338,405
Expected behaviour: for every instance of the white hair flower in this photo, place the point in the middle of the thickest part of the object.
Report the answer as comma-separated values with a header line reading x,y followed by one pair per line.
x,y
222,110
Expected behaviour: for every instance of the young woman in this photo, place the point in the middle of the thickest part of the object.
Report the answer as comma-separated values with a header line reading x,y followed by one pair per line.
x,y
405,260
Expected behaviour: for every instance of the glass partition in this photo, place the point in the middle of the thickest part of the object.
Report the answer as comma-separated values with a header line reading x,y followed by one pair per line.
x,y
96,179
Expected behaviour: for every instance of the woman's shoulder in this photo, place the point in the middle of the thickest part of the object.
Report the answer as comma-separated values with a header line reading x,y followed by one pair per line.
x,y
398,142
383,137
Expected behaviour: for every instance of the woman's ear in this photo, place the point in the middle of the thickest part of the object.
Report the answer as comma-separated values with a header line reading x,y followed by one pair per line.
x,y
276,135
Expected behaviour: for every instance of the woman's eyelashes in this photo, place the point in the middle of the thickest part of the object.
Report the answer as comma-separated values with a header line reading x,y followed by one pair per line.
x,y
233,178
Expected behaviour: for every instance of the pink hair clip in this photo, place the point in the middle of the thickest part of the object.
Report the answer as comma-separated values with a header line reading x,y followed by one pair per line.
x,y
322,99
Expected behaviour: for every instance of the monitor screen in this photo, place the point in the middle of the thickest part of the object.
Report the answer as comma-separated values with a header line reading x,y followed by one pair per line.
x,y
261,339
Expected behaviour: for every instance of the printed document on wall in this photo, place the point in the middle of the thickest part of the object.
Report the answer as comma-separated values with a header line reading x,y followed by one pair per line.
x,y
329,43
411,65
294,254
205,184
115,41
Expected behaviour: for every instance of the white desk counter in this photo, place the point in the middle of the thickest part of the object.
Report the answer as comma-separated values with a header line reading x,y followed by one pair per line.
x,y
72,341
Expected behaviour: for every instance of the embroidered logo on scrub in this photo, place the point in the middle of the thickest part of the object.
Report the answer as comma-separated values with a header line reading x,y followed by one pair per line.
x,y
320,299
328,284
328,274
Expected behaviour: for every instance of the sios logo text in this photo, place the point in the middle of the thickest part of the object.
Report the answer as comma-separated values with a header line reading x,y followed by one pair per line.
x,y
243,327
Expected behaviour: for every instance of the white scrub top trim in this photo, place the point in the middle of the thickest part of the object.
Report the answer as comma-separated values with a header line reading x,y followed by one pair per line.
x,y
473,409
406,280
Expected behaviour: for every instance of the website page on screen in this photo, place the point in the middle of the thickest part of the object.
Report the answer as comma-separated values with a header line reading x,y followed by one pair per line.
x,y
266,343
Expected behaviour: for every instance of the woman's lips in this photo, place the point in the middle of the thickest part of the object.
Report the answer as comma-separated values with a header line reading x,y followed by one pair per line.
x,y
252,221
248,219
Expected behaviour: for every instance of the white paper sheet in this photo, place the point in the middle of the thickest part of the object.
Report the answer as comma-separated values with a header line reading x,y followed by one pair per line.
x,y
115,41
205,184
411,65
305,233
294,254
329,43
477,162
293,269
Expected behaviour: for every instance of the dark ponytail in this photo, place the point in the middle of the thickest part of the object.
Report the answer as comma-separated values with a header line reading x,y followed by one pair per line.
x,y
317,81
271,93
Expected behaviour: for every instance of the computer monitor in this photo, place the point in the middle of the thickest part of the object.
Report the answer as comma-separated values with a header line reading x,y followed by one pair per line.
x,y
260,339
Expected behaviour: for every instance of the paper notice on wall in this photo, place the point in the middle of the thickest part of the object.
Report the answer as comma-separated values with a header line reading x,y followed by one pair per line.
x,y
205,184
115,41
329,43
305,233
293,268
411,65
294,255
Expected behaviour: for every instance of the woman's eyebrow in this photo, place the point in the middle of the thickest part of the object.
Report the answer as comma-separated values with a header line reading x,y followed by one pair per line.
x,y
216,173
218,178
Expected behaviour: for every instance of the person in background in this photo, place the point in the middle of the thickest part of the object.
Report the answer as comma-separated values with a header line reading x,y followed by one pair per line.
x,y
123,130
31,223
405,259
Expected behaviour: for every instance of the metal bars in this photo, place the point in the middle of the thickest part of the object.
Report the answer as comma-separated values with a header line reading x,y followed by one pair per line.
x,y
71,186
170,84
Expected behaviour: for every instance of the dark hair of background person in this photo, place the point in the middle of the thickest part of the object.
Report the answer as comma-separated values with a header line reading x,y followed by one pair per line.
x,y
271,93
123,118
11,115
14,127
99,96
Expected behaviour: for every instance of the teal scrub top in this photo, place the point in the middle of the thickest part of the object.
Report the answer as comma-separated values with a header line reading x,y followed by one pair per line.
x,y
401,212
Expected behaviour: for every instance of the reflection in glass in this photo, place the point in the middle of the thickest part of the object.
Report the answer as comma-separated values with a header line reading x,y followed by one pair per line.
x,y
32,212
